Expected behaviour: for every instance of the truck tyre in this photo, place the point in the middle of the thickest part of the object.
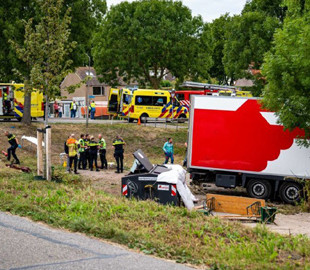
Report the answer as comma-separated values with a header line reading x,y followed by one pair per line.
x,y
258,188
144,115
290,192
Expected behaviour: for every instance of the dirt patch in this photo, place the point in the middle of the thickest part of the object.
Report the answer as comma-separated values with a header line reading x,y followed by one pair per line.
x,y
290,224
105,180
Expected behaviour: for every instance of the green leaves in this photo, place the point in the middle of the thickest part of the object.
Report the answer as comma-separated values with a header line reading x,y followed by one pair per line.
x,y
143,40
287,69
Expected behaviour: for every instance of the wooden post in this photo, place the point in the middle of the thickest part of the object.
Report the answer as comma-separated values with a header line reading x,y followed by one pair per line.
x,y
48,153
39,153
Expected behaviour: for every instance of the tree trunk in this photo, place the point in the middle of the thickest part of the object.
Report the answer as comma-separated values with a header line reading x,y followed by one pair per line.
x,y
155,82
27,108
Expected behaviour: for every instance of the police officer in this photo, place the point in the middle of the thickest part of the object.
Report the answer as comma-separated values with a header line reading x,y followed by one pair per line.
x,y
82,160
87,156
118,145
14,144
102,152
93,152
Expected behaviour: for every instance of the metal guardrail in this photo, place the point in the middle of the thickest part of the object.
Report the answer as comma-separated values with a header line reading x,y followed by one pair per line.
x,y
166,122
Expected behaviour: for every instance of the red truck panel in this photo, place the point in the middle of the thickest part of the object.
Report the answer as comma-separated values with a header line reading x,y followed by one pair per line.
x,y
236,134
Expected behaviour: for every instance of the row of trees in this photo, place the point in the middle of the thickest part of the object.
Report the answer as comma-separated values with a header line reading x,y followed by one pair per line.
x,y
42,39
145,39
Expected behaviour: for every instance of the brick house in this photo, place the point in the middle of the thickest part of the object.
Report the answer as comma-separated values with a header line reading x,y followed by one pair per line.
x,y
97,91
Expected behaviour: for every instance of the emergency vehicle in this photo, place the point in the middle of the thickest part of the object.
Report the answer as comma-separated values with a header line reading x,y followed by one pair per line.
x,y
268,161
155,104
208,90
119,100
12,102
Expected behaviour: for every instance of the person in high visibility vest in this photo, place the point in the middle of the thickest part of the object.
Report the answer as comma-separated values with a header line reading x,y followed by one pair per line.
x,y
92,110
72,152
118,145
13,141
87,155
6,102
93,152
82,160
102,152
73,108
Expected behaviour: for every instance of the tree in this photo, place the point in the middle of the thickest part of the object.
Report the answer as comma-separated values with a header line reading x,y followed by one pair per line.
x,y
13,15
217,33
46,47
144,40
274,8
249,36
86,18
287,69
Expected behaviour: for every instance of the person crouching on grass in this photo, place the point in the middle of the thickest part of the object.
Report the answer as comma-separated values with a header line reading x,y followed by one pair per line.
x,y
168,150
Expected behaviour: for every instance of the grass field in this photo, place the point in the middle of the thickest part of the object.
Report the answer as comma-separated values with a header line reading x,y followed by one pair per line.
x,y
149,139
168,232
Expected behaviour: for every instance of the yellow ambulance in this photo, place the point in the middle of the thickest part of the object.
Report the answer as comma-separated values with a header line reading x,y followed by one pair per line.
x,y
119,100
155,104
12,102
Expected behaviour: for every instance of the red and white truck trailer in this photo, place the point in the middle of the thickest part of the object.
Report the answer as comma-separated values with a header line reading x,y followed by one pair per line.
x,y
235,142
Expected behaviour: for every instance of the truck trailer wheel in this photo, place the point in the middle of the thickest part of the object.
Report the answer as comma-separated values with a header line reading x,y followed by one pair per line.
x,y
258,188
290,192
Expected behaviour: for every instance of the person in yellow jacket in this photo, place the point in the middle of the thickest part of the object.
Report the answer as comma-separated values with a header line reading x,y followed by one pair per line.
x,y
73,109
92,110
6,102
72,145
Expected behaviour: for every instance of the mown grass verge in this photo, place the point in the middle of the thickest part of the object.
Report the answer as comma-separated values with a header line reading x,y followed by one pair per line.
x,y
167,232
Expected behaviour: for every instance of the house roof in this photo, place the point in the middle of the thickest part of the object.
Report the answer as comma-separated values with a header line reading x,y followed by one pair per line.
x,y
83,72
244,82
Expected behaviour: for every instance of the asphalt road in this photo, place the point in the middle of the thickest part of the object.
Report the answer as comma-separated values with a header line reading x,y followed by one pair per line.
x,y
29,245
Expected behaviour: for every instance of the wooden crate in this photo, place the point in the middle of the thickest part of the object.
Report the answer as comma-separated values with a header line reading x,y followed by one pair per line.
x,y
232,204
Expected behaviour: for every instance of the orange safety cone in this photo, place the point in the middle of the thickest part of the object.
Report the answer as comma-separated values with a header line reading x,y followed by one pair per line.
x,y
139,121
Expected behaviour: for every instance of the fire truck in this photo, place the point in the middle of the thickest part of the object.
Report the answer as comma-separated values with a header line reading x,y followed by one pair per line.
x,y
195,88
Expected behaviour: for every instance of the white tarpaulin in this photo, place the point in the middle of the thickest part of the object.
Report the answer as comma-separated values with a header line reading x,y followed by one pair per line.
x,y
32,140
177,175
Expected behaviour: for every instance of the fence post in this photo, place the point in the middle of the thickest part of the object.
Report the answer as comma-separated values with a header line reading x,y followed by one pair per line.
x,y
155,122
48,153
39,153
